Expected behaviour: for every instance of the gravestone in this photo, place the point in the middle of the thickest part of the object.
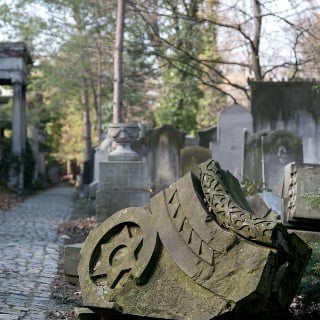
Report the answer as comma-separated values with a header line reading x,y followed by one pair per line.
x,y
228,149
266,154
252,157
123,179
207,136
292,106
301,188
196,251
278,149
191,157
163,155
100,155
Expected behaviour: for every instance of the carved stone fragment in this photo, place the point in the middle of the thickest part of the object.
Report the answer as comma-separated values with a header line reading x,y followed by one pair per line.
x,y
197,251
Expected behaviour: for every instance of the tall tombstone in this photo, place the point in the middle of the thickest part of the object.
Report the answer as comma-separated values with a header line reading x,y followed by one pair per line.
x,y
14,61
300,189
294,106
207,136
163,155
278,149
252,157
266,154
228,149
100,155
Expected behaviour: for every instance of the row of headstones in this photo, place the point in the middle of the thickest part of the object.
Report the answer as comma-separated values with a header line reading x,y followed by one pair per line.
x,y
298,207
260,157
163,159
169,154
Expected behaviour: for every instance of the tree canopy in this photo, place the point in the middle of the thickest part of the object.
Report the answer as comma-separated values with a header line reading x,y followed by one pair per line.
x,y
183,61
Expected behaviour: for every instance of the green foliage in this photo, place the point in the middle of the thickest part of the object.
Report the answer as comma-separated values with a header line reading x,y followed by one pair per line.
x,y
6,160
9,160
29,168
179,103
312,199
251,187
309,286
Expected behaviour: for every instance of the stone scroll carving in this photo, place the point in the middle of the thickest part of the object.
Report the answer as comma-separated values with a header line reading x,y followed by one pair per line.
x,y
196,251
231,209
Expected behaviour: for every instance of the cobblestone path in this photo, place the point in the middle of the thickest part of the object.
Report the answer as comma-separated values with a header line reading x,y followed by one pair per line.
x,y
29,250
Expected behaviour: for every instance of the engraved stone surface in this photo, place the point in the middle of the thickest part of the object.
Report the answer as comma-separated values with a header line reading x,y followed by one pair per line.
x,y
163,155
301,182
122,184
196,251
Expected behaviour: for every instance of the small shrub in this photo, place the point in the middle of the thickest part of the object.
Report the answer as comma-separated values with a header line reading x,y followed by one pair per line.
x,y
309,287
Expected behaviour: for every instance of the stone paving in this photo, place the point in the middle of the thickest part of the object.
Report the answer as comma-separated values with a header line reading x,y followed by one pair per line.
x,y
29,250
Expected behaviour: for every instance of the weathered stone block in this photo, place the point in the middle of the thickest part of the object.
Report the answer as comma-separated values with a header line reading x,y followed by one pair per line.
x,y
71,261
123,175
301,182
81,313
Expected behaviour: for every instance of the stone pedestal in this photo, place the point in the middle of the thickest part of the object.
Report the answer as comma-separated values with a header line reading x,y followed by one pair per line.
x,y
122,184
123,179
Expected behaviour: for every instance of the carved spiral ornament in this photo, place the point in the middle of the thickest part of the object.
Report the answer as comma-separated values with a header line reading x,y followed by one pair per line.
x,y
227,211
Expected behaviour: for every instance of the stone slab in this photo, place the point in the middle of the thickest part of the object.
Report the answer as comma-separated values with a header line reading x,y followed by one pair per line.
x,y
71,259
301,182
307,236
228,149
82,313
124,175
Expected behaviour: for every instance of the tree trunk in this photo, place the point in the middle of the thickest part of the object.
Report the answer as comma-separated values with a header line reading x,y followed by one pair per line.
x,y
256,40
118,78
99,95
86,121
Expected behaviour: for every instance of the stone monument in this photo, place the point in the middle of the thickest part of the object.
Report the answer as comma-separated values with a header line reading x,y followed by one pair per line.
x,y
123,179
301,186
196,251
163,154
228,148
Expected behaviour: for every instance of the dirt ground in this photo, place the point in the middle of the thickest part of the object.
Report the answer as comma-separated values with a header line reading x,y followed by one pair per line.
x,y
67,296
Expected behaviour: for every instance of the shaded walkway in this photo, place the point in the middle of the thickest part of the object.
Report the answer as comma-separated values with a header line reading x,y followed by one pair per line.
x,y
29,250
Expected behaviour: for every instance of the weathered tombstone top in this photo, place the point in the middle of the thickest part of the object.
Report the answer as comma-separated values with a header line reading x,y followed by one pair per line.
x,y
228,149
278,149
14,59
301,188
163,155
